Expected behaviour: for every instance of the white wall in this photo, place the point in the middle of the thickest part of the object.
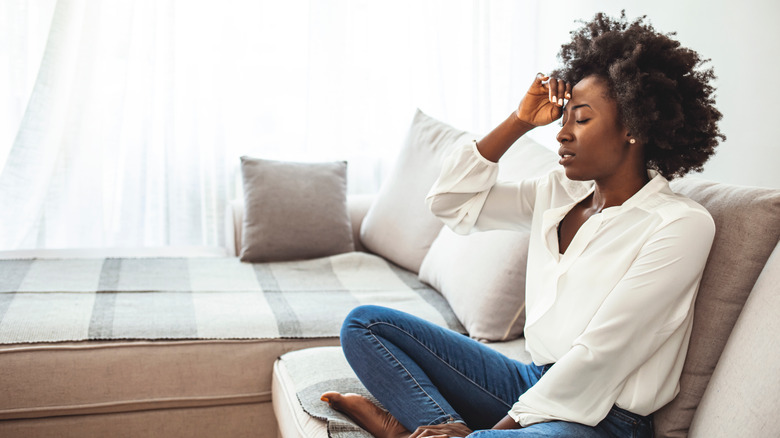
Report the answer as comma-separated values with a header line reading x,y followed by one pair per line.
x,y
742,38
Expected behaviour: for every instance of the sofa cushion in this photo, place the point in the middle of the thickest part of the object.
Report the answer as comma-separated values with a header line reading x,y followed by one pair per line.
x,y
297,386
741,398
747,230
293,421
294,210
399,226
482,275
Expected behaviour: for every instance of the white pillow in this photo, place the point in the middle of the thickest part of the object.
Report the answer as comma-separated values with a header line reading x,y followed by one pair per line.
x,y
482,276
399,226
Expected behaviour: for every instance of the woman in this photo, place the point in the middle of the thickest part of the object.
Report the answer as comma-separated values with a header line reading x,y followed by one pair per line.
x,y
615,257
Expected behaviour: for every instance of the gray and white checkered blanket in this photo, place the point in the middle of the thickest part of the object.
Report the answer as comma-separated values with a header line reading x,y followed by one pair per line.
x,y
51,300
332,373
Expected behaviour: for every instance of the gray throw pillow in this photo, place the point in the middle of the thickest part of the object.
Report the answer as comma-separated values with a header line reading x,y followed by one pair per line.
x,y
294,210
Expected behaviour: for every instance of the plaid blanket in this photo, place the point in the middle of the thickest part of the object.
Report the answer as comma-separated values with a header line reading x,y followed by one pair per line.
x,y
43,300
332,373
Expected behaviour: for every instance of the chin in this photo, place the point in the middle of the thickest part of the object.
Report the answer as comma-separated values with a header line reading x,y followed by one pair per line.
x,y
573,175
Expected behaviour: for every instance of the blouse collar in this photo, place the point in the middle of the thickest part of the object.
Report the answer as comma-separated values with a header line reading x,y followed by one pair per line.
x,y
656,184
579,190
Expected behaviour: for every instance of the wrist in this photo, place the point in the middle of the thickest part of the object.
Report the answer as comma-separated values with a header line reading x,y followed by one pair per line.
x,y
519,123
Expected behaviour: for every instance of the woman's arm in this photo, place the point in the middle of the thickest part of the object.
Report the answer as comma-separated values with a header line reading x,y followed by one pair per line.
x,y
541,105
507,423
497,142
467,182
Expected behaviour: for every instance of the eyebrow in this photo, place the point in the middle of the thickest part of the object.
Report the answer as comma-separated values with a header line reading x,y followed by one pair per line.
x,y
567,109
577,106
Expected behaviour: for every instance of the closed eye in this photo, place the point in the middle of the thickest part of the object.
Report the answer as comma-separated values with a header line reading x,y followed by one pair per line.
x,y
582,122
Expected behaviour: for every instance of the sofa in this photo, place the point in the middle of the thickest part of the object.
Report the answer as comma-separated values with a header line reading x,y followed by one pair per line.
x,y
230,346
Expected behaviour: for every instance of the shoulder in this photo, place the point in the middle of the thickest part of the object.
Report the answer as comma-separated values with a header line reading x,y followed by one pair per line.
x,y
681,213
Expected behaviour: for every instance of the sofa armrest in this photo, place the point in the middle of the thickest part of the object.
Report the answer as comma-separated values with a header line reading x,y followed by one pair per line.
x,y
234,217
358,206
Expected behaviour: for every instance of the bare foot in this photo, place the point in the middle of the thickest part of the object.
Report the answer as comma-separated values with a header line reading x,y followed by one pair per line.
x,y
367,415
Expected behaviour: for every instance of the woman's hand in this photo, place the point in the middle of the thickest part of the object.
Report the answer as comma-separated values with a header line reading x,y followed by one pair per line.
x,y
543,103
442,431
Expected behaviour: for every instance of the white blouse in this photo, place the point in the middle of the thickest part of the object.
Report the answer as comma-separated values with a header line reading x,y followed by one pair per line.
x,y
615,311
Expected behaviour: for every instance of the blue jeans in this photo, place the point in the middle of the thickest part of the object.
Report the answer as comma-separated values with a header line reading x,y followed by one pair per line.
x,y
424,374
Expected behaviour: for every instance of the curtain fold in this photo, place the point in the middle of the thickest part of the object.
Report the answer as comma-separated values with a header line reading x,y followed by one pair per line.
x,y
141,109
29,166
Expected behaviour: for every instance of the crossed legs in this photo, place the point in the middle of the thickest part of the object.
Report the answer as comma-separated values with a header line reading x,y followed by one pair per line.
x,y
424,375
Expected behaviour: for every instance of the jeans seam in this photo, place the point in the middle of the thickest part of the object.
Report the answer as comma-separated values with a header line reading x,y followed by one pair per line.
x,y
509,406
410,376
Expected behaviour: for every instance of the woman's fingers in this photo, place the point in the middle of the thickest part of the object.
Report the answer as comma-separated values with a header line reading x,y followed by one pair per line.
x,y
552,86
441,431
539,85
559,90
534,109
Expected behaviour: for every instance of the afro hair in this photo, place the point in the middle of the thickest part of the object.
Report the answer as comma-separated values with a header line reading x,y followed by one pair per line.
x,y
663,94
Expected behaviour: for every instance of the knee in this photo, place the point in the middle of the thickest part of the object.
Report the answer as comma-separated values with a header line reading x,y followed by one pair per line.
x,y
355,328
360,318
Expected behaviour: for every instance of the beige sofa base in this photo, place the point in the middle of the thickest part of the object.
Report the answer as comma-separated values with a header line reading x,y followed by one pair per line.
x,y
148,388
243,420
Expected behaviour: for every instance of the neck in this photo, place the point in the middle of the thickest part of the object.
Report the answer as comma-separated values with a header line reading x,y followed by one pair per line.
x,y
616,191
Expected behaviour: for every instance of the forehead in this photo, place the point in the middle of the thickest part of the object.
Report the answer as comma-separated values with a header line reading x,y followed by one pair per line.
x,y
591,90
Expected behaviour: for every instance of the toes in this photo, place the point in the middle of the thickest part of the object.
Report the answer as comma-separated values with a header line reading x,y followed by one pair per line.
x,y
331,397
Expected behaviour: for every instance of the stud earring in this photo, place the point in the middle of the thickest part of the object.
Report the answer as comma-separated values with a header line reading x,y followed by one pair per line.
x,y
632,141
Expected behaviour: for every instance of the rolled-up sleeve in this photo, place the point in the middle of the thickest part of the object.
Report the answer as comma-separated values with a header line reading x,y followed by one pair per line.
x,y
467,196
646,318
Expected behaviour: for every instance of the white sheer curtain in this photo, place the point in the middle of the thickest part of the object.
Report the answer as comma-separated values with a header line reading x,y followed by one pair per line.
x,y
123,121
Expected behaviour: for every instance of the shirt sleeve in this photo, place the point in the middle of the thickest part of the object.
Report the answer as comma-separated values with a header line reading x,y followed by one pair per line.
x,y
650,306
467,196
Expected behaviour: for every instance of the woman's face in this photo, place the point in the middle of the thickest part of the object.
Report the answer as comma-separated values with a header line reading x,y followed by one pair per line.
x,y
594,145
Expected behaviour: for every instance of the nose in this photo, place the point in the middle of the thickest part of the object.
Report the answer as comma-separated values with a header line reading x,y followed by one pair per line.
x,y
564,135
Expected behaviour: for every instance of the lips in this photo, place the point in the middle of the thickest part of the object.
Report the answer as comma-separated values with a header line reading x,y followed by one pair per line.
x,y
566,156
